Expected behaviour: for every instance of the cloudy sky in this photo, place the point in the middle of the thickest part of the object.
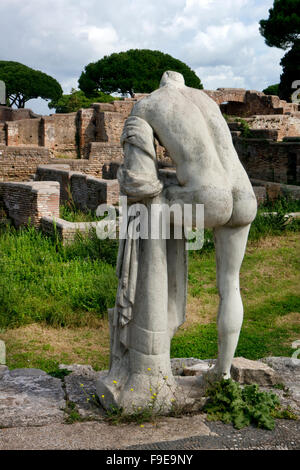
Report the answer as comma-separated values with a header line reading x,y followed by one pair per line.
x,y
218,39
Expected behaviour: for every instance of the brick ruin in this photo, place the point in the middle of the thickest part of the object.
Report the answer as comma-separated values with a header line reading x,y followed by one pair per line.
x,y
81,151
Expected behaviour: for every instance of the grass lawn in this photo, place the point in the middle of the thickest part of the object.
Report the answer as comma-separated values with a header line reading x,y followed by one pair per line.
x,y
53,301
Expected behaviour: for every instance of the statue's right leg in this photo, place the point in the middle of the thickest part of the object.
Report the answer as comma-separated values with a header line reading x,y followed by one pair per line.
x,y
230,244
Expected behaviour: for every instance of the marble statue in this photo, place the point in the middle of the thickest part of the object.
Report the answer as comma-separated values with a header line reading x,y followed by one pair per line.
x,y
151,298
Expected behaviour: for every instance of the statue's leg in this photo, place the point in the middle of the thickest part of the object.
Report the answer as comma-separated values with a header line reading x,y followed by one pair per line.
x,y
230,244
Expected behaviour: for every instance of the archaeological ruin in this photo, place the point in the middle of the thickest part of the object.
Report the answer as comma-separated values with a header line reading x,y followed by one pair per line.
x,y
45,159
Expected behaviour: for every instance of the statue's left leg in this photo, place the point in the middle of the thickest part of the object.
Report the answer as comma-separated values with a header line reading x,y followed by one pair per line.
x,y
230,244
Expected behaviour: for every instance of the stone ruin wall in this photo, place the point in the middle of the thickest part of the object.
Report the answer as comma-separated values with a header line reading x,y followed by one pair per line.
x,y
38,202
285,125
86,191
270,161
245,103
94,133
20,163
29,201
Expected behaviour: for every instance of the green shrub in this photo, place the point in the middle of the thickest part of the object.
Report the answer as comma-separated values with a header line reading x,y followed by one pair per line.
x,y
245,128
230,403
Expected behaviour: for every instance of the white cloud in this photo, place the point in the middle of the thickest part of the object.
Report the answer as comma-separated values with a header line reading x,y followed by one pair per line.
x,y
219,39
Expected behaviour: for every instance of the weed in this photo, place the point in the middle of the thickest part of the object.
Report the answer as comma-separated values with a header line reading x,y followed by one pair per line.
x,y
284,413
242,406
245,128
72,415
280,386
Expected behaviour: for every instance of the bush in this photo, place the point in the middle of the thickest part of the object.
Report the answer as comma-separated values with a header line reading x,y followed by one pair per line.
x,y
230,403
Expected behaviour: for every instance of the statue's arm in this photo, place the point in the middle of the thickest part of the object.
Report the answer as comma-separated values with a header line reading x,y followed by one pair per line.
x,y
138,176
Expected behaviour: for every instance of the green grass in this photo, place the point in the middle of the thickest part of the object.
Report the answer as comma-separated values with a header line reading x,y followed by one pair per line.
x,y
270,290
70,214
49,285
42,281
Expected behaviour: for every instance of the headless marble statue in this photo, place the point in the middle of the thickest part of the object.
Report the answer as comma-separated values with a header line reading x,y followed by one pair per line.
x,y
151,297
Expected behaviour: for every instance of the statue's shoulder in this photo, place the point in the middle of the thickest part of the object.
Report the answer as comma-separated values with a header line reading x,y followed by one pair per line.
x,y
149,103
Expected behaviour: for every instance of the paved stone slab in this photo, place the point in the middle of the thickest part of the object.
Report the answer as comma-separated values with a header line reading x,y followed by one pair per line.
x,y
80,388
101,435
288,368
30,397
248,372
285,436
178,364
199,368
243,371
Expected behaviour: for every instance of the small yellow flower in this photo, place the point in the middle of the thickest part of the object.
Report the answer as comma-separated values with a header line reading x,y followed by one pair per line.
x,y
166,377
87,399
149,368
152,398
154,394
93,396
102,396
115,382
142,425
131,389
81,385
150,389
139,408
172,399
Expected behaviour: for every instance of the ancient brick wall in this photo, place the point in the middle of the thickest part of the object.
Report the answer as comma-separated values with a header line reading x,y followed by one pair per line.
x,y
243,103
65,230
59,133
270,161
105,151
103,122
286,125
20,163
29,202
101,192
86,130
274,190
23,132
86,191
53,173
2,134
109,126
10,114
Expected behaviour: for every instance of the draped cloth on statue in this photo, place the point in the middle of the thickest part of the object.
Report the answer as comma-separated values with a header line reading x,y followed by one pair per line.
x,y
151,297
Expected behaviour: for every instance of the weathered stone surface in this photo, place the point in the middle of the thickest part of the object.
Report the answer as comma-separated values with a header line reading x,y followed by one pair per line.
x,y
27,372
199,368
81,389
181,363
79,369
30,397
3,370
288,369
246,371
288,389
243,370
